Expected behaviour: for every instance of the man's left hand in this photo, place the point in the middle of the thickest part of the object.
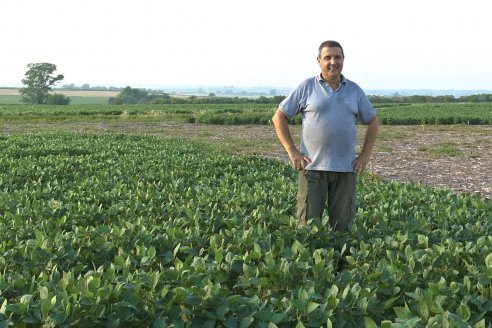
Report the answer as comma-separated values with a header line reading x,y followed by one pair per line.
x,y
360,163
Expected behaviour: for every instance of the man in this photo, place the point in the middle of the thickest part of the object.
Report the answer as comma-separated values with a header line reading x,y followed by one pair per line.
x,y
330,105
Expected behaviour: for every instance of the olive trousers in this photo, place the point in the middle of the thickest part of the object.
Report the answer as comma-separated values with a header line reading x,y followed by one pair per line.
x,y
335,191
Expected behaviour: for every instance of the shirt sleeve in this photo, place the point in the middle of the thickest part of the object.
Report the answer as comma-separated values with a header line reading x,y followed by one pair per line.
x,y
295,101
367,112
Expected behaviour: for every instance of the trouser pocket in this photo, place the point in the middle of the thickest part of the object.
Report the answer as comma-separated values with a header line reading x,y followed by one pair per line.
x,y
311,196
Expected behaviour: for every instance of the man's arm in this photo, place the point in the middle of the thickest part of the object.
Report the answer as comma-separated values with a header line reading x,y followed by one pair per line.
x,y
298,160
362,160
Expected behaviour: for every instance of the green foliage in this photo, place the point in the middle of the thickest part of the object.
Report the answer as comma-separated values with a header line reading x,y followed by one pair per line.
x,y
397,99
253,113
38,80
142,96
57,99
483,97
115,230
441,113
203,113
129,96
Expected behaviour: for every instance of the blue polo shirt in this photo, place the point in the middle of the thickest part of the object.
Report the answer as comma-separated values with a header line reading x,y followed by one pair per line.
x,y
329,130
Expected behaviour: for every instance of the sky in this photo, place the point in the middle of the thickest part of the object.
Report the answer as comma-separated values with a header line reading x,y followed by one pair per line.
x,y
388,44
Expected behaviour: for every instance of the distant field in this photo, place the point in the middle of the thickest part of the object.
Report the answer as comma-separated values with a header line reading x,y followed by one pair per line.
x,y
11,96
74,93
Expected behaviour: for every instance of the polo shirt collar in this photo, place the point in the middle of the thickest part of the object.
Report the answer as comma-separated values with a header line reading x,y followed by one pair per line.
x,y
320,79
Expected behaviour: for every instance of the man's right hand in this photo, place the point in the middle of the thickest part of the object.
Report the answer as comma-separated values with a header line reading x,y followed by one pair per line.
x,y
298,160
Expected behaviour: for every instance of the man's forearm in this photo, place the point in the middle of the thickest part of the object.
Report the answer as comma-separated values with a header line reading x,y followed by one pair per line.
x,y
370,137
282,130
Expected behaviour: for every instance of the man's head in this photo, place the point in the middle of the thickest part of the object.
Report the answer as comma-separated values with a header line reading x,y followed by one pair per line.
x,y
330,60
330,44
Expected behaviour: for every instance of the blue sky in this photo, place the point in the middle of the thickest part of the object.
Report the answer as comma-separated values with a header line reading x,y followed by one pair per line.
x,y
389,44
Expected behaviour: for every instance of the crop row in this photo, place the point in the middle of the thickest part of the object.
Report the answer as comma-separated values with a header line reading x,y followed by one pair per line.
x,y
390,114
116,230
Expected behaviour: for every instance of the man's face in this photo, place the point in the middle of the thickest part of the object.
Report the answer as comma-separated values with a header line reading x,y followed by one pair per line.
x,y
331,62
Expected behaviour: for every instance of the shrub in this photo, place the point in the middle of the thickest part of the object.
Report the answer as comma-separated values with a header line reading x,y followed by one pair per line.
x,y
57,99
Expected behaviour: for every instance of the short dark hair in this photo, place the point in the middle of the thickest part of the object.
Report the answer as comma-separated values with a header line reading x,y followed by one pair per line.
x,y
330,44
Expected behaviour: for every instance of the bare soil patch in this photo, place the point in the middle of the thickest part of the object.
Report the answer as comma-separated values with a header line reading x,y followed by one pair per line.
x,y
458,157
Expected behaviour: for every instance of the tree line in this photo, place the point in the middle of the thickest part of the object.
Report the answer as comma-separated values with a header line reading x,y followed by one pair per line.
x,y
131,95
141,96
485,97
40,78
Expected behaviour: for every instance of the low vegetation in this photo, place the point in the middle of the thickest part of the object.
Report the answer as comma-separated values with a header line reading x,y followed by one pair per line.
x,y
116,230
246,113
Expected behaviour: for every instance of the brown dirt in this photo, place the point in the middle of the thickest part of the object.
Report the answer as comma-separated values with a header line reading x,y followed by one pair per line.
x,y
457,157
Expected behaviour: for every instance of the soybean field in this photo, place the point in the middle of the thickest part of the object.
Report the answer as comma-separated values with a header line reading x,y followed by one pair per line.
x,y
114,230
248,113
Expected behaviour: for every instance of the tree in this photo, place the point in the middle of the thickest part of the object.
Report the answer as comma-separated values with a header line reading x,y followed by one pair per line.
x,y
129,96
38,80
